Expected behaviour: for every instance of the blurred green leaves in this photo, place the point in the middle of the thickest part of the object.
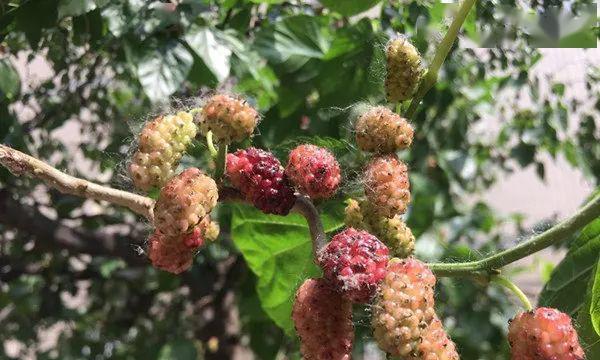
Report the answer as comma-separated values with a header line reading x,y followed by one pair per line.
x,y
293,41
178,350
10,82
567,286
349,7
162,70
213,53
75,7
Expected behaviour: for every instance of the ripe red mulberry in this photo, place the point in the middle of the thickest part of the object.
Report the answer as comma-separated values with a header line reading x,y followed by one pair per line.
x,y
314,171
386,185
381,130
161,145
354,262
403,308
184,201
323,321
404,70
230,119
543,334
259,176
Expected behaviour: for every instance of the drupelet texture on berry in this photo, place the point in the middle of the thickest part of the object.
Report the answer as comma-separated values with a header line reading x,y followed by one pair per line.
x,y
184,201
403,308
172,253
259,176
381,130
314,171
387,186
403,71
354,262
161,145
323,321
543,334
230,119
393,232
435,345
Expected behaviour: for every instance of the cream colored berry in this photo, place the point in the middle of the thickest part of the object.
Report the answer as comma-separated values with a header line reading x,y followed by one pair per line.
x,y
184,201
381,130
403,307
230,119
386,185
161,144
404,69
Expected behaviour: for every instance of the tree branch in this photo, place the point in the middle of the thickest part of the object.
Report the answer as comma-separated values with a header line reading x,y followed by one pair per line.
x,y
22,164
51,234
557,233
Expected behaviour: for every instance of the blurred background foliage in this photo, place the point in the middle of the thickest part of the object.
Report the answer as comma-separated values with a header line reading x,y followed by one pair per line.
x,y
76,268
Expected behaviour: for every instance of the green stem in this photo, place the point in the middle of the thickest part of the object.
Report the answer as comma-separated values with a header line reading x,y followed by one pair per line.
x,y
501,280
440,56
220,162
211,146
491,264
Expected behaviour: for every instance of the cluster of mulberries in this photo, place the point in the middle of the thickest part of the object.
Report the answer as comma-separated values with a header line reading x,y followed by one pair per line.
x,y
261,179
323,321
404,320
393,232
181,213
543,334
161,144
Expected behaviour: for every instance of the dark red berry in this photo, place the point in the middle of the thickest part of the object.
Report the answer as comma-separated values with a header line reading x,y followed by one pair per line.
x,y
259,176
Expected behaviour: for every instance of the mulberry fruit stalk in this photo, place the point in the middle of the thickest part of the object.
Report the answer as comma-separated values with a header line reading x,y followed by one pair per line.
x,y
403,71
386,185
393,232
184,201
323,321
161,144
230,119
259,176
543,334
404,320
381,130
314,171
354,263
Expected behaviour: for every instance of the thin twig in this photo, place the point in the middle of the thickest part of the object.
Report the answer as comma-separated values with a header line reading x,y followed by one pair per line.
x,y
440,56
22,164
501,280
306,208
557,233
